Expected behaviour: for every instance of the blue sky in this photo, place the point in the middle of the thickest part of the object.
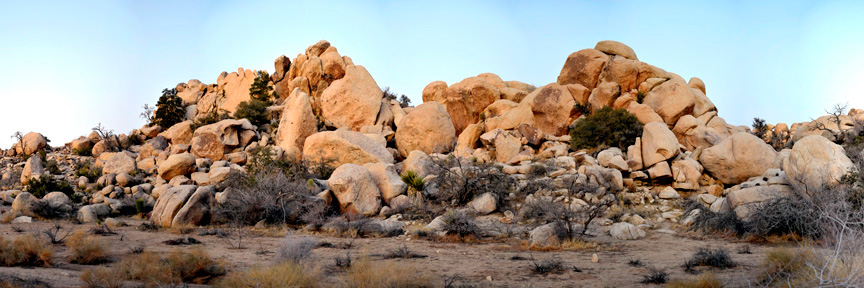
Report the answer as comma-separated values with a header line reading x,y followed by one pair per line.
x,y
68,65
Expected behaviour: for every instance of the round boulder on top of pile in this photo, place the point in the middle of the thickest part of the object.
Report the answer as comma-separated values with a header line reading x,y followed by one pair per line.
x,y
353,101
342,146
671,100
658,144
738,158
30,143
583,67
428,129
212,141
616,48
816,162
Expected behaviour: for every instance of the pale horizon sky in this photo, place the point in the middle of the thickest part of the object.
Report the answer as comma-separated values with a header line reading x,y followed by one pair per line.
x,y
69,65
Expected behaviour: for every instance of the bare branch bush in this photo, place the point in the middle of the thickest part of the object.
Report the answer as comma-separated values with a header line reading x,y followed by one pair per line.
x,y
459,181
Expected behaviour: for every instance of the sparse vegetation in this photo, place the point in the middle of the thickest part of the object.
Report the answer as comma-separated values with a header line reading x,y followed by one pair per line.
x,y
716,258
402,252
25,250
286,274
255,110
148,267
45,184
706,280
295,249
365,274
210,118
460,224
551,265
655,276
85,249
413,180
606,127
460,181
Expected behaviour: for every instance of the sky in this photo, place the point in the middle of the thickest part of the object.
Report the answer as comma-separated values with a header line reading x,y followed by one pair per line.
x,y
70,65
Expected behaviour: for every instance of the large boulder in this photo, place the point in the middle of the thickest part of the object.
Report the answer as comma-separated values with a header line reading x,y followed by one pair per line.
x,y
583,67
658,143
626,231
552,106
388,182
32,169
191,92
177,164
616,48
744,201
466,99
197,210
23,204
671,100
428,129
738,158
119,163
418,162
30,143
236,87
355,190
815,162
208,145
343,146
169,204
298,122
180,133
353,101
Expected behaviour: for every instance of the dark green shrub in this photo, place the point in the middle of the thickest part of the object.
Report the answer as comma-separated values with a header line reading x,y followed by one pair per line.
x,y
606,127
169,109
87,169
255,110
581,109
759,127
84,151
46,184
640,96
141,206
460,224
52,167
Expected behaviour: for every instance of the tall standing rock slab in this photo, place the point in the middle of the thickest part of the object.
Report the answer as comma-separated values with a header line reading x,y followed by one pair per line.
x,y
342,147
236,86
388,182
427,129
32,169
658,144
583,67
816,162
169,203
353,101
298,122
738,158
355,190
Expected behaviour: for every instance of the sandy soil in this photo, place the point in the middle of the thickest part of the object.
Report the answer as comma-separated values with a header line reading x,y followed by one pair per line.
x,y
473,263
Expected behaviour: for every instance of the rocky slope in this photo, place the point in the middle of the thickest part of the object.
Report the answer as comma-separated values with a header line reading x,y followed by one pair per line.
x,y
330,109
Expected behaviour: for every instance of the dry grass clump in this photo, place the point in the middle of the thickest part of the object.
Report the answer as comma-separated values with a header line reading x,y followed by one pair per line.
x,y
365,274
148,267
707,280
25,250
86,249
579,244
287,274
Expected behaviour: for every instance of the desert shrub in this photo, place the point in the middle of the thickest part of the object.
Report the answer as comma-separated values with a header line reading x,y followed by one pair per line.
x,y
86,249
169,109
640,96
365,274
25,250
551,265
255,110
402,252
461,181
52,167
48,210
759,127
717,258
781,266
45,184
718,223
10,281
295,249
287,274
413,180
210,118
570,222
148,267
102,277
783,216
581,109
655,276
606,127
460,224
88,151
707,280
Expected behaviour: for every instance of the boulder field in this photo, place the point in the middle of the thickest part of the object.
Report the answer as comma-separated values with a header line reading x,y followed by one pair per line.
x,y
329,109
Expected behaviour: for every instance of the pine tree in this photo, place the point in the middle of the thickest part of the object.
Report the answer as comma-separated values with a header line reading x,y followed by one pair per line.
x,y
169,109
260,90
